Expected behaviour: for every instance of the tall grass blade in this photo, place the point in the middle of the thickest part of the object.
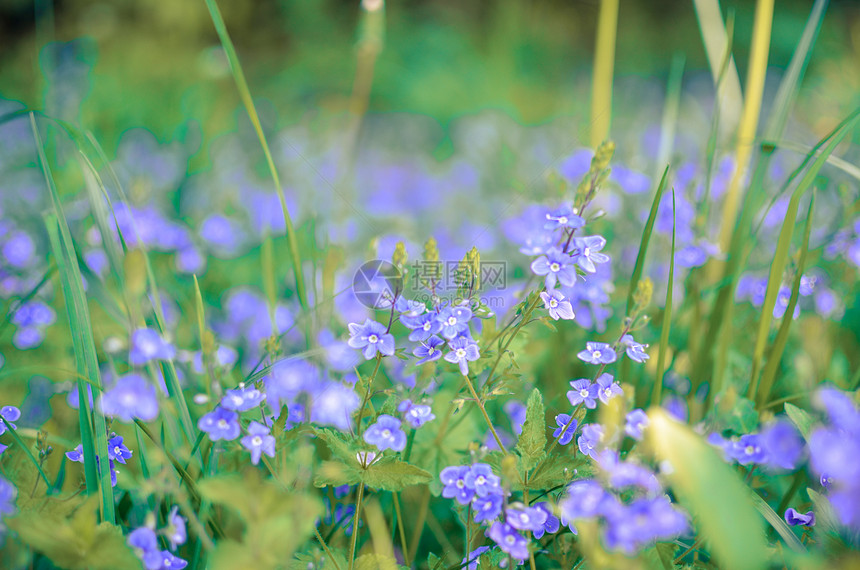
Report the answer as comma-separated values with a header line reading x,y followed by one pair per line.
x,y
11,431
248,102
669,122
604,67
769,373
667,320
646,239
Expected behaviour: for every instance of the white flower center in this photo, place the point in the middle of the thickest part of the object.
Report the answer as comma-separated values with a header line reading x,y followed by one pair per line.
x,y
586,252
553,303
256,440
460,484
562,220
222,424
373,339
510,539
595,354
116,450
554,267
480,480
427,326
749,450
386,433
452,321
461,353
583,393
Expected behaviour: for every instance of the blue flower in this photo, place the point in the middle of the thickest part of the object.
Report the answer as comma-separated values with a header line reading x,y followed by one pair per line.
x,y
783,445
551,525
225,357
584,392
243,398
8,494
176,531
146,345
607,388
583,499
19,249
454,480
116,450
372,337
423,327
585,252
77,454
794,518
591,436
10,414
429,350
463,351
509,540
471,561
220,424
487,508
561,421
635,351
131,397
526,518
144,543
563,217
636,421
416,415
556,304
482,479
749,449
556,266
597,353
170,561
454,321
386,433
258,441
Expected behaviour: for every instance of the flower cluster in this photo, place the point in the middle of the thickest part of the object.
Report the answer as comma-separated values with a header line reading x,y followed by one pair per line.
x,y
778,446
117,453
144,542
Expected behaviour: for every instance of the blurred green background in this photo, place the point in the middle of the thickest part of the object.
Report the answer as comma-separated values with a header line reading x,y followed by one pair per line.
x,y
158,62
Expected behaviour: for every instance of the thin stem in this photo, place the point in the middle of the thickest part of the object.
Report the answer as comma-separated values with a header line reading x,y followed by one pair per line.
x,y
325,547
484,412
356,518
367,394
694,546
400,529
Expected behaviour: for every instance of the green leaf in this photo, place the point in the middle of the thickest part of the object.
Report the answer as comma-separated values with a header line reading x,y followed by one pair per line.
x,y
656,395
646,238
336,473
434,562
376,562
558,470
666,553
712,491
394,475
743,418
801,419
75,542
533,437
778,523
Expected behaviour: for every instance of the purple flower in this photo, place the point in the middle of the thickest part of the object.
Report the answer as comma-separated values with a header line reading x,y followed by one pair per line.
x,y
116,450
8,494
409,307
372,337
10,414
509,540
551,525
175,531
561,421
597,353
584,392
169,561
19,249
416,415
463,351
591,436
146,345
423,327
224,357
556,266
635,351
607,388
429,350
582,500
295,415
563,217
131,397
843,413
794,518
556,304
144,543
454,321
386,433
783,445
454,480
258,441
482,479
749,449
526,518
220,424
243,398
624,474
34,313
585,252
77,454
471,561
636,421
487,508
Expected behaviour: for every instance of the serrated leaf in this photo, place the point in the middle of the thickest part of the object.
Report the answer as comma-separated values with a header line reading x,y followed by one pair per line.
x,y
394,475
336,473
558,470
532,439
434,562
339,446
376,562
712,491
800,418
666,554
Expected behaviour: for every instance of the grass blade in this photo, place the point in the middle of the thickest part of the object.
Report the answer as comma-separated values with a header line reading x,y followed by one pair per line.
x,y
11,430
778,524
646,239
769,373
667,320
780,257
604,65
670,112
248,102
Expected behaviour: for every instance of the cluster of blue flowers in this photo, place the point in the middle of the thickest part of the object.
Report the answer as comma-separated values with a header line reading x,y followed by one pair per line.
x,y
778,446
117,453
144,543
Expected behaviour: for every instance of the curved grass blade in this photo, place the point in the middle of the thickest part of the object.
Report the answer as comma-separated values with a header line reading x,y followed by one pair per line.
x,y
11,430
712,491
646,239
778,524
769,373
248,102
667,320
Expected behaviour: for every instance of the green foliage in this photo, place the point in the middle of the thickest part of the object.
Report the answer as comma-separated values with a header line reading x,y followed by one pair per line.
x,y
801,419
75,542
532,439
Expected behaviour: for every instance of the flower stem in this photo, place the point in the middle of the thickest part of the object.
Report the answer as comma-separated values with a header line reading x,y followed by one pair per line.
x,y
484,412
326,549
401,529
367,394
356,518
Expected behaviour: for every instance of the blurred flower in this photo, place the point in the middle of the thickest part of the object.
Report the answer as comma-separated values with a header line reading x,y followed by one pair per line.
x,y
131,397
509,540
243,398
386,433
146,345
636,421
372,337
592,434
258,441
220,423
416,415
175,531
607,387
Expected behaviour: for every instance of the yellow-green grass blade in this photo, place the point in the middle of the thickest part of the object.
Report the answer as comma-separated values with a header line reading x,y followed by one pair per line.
x,y
11,430
604,66
778,523
669,122
248,102
713,493
717,39
781,255
656,395
646,239
769,374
